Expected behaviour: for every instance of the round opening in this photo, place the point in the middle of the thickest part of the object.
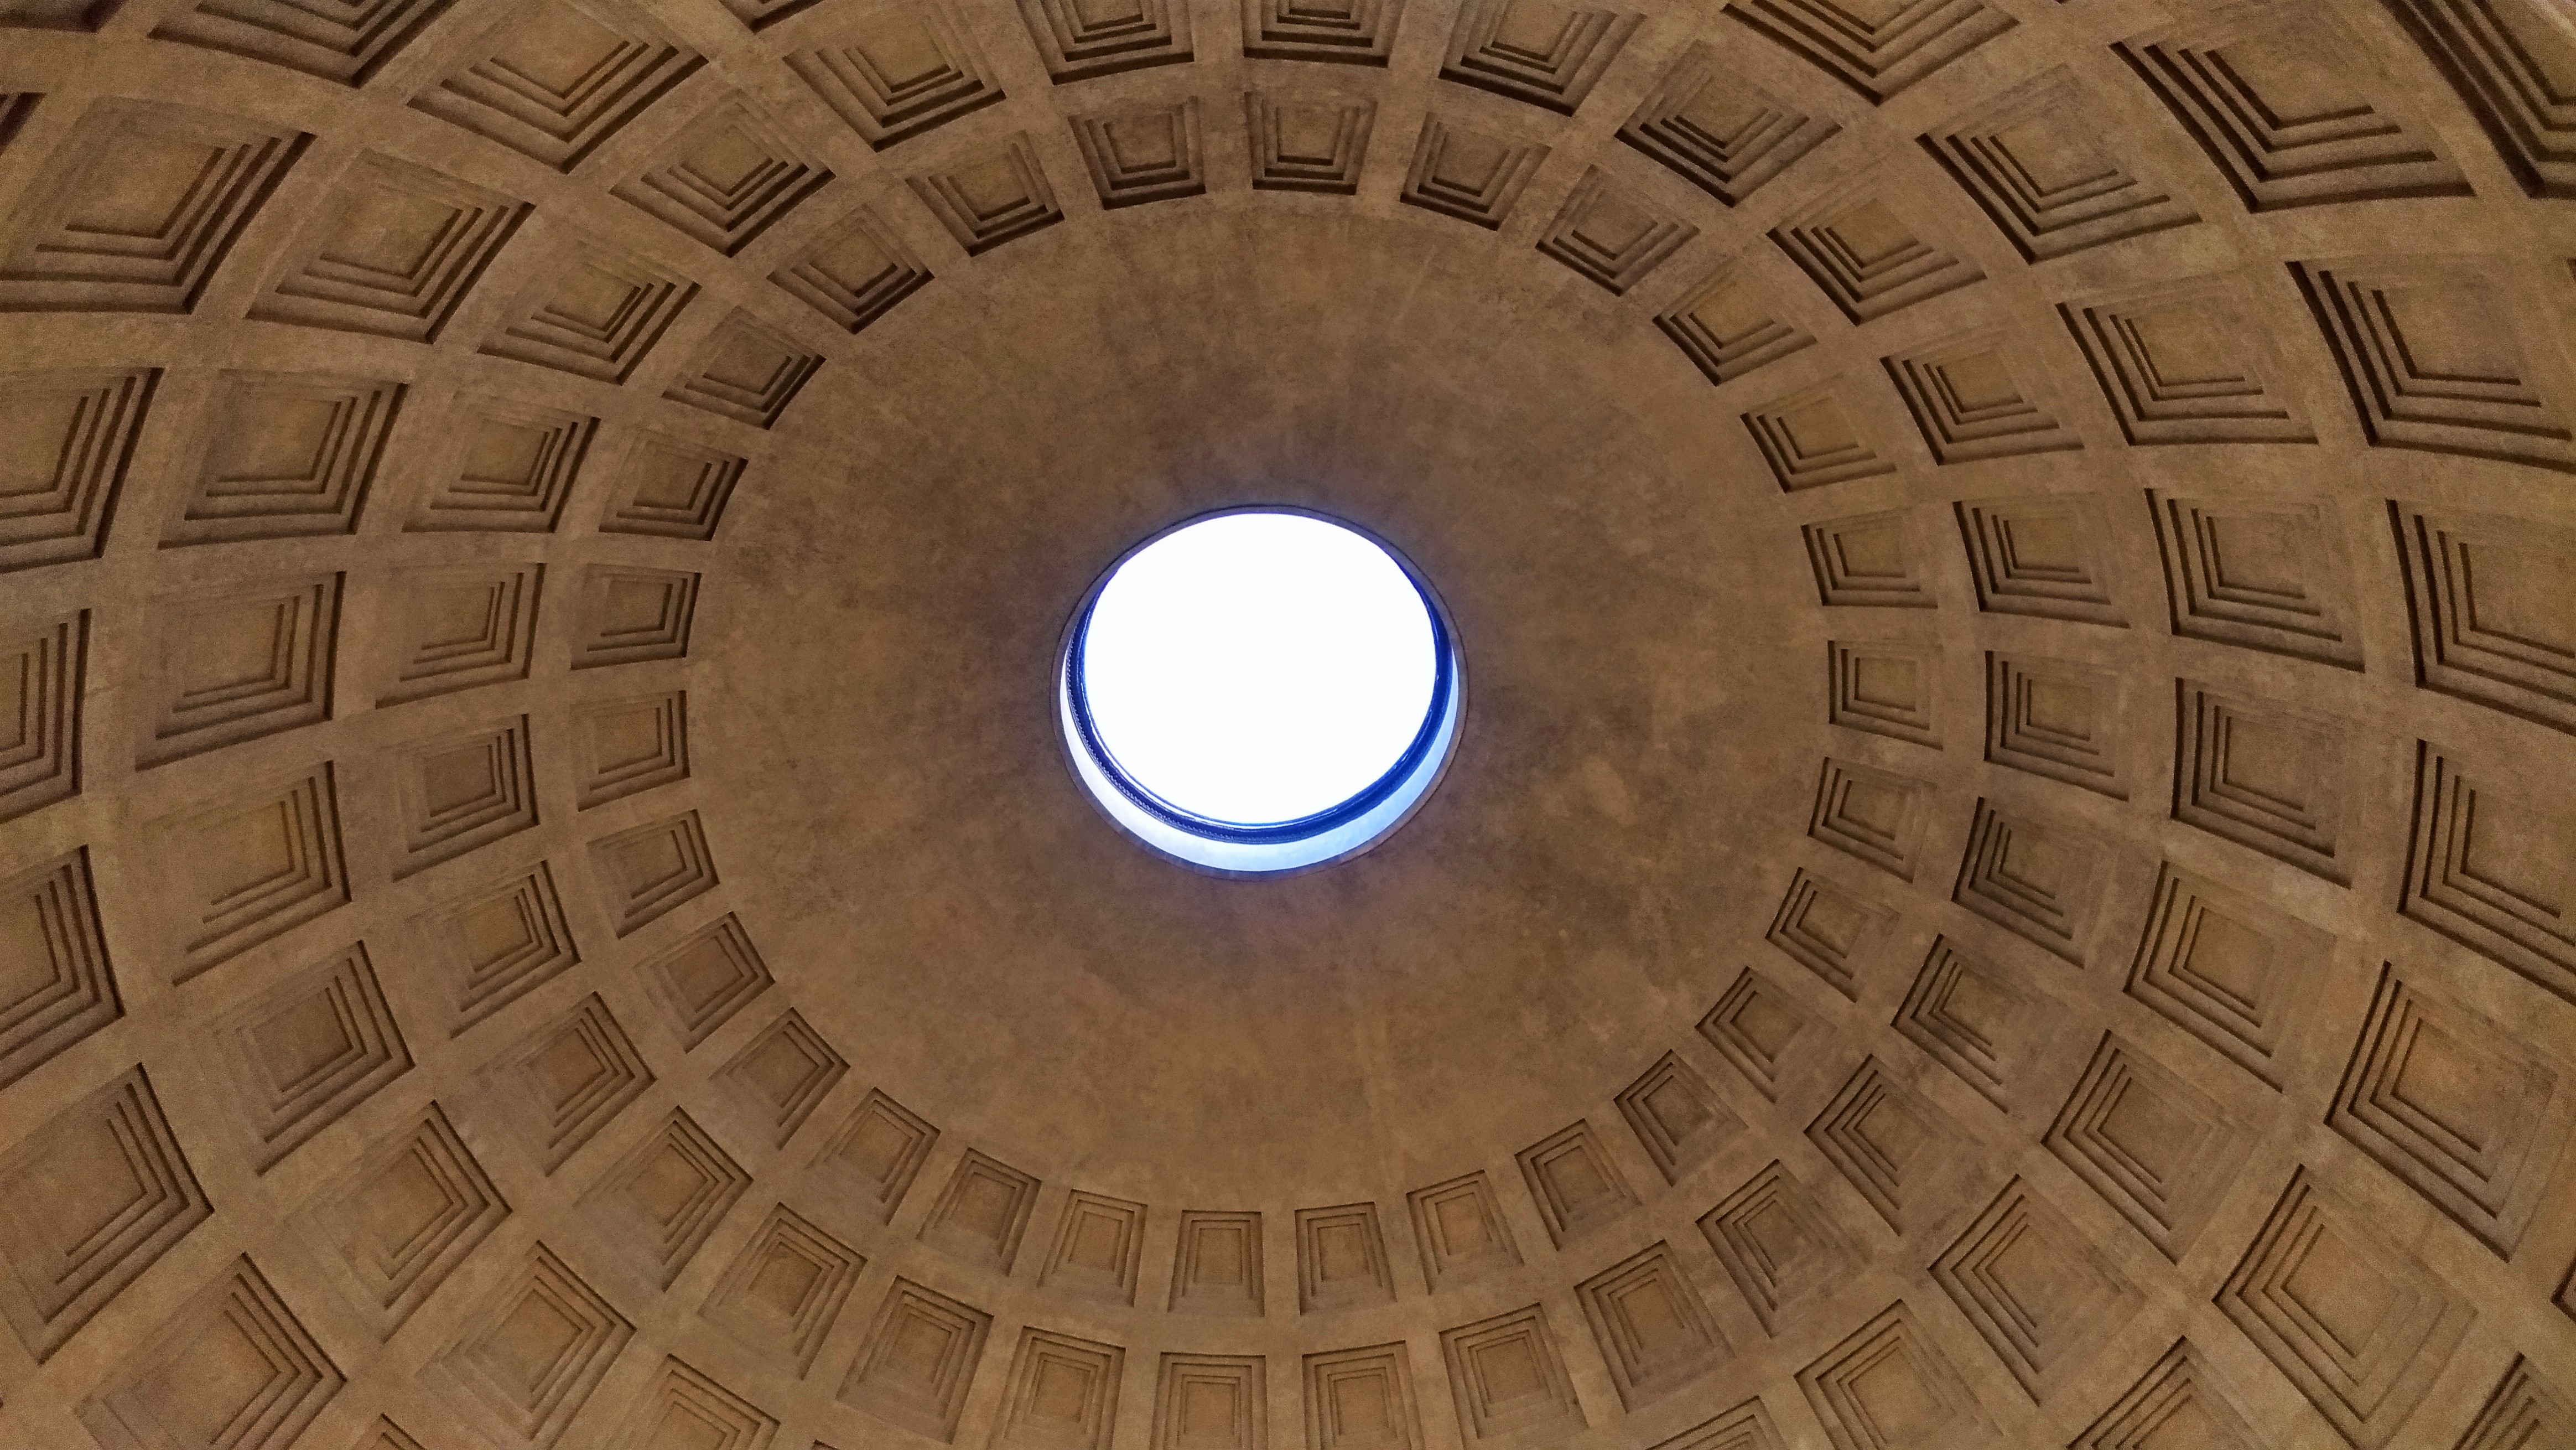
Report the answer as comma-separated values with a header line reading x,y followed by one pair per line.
x,y
1259,691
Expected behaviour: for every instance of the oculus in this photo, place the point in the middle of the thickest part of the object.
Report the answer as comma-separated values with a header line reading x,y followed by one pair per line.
x,y
1259,691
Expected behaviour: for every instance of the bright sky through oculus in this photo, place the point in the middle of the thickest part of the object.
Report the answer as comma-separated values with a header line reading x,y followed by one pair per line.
x,y
1258,667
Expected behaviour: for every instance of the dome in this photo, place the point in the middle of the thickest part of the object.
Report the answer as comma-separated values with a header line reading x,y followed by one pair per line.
x,y
2006,879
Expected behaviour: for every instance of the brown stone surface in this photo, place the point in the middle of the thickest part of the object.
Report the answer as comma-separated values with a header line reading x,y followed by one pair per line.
x,y
2009,879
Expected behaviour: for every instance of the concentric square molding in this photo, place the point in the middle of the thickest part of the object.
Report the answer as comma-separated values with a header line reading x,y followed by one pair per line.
x,y
1654,1329
512,466
394,250
2227,969
2039,1296
686,1406
670,488
1361,1399
983,1212
2523,1410
43,670
1347,32
646,871
1137,154
2260,574
1611,234
854,275
1307,141
1777,1244
782,1074
897,71
2431,354
1868,561
747,371
2040,880
2509,64
2466,1112
1719,131
2481,594
1829,929
1547,54
285,455
348,43
995,197
1885,687
402,1219
532,1355
1508,1377
1754,1025
1873,814
1678,1119
2040,555
1971,403
563,1082
554,79
2359,1324
2265,775
250,867
710,975
64,987
234,1356
2178,1396
2054,181
727,177
1573,1181
1212,1402
1811,438
143,202
1976,1019
72,434
307,1051
2058,718
2482,869
1075,44
2280,98
630,615
496,944
592,313
1878,50
1099,1244
782,1293
236,664
1459,1225
878,1152
1888,1387
137,1198
1062,1393
1870,258
659,1204
1731,324
458,627
2156,1148
1217,1267
627,746
917,1361
2178,364
459,792
1471,175
1902,1153
1746,1427
1341,1259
